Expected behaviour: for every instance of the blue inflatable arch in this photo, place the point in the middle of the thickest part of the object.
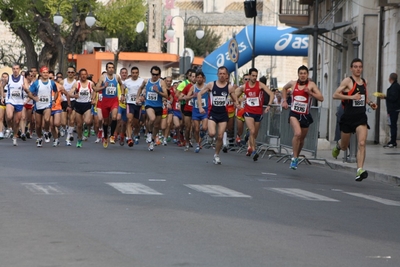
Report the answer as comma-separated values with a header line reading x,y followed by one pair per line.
x,y
272,41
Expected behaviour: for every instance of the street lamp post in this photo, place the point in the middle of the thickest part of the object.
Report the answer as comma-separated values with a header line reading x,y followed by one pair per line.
x,y
90,20
199,35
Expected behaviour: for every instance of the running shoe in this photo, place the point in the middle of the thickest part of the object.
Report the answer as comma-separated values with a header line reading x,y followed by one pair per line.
x,y
186,148
149,138
254,155
225,149
151,146
28,135
39,142
121,140
361,175
56,142
294,163
68,143
249,151
202,133
1,135
197,150
136,140
62,131
98,140
157,141
165,142
216,160
390,145
112,139
23,137
79,144
169,139
86,133
105,142
130,143
7,134
92,132
335,152
46,137
15,142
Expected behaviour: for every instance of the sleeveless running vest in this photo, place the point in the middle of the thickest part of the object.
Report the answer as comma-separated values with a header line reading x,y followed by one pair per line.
x,y
254,99
218,98
15,91
356,106
153,99
301,101
111,90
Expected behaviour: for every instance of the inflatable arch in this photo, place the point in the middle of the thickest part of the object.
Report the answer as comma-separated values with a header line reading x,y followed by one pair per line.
x,y
270,40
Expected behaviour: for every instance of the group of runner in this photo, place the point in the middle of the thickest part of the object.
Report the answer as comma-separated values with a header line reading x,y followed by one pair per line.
x,y
125,102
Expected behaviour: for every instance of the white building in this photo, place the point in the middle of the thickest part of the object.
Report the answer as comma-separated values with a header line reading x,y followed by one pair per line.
x,y
347,27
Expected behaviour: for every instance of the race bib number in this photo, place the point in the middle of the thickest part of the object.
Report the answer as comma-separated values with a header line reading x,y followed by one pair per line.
x,y
359,103
299,107
219,101
110,90
190,103
83,93
203,103
44,99
178,106
132,98
151,96
16,93
229,102
253,101
100,97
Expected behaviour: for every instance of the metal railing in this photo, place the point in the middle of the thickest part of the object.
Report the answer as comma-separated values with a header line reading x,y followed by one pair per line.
x,y
292,7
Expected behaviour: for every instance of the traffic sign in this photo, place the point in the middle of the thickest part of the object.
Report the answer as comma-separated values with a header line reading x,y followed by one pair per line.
x,y
233,51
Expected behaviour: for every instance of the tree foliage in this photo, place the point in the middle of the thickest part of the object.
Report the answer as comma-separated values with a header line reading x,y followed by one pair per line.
x,y
32,21
204,46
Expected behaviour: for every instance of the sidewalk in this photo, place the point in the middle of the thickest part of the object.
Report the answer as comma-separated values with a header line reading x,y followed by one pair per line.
x,y
382,164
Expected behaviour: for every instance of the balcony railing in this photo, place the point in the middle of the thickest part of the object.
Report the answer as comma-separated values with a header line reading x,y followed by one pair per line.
x,y
293,13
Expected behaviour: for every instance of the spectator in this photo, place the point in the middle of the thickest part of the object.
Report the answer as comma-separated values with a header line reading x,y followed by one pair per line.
x,y
393,108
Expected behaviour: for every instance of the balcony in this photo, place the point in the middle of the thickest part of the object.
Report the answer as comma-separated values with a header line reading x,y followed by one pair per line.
x,y
294,13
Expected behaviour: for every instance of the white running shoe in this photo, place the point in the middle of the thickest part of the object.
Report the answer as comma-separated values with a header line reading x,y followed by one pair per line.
x,y
98,140
39,142
151,146
165,142
1,135
15,142
216,160
56,142
62,131
68,143
149,138
7,134
46,137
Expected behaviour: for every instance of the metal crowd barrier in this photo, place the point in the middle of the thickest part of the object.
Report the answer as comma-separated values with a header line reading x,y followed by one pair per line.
x,y
269,132
310,142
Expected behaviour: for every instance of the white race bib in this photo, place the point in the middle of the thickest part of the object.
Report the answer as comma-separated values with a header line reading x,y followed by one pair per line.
x,y
110,90
151,96
44,99
178,106
299,107
132,98
190,103
219,101
203,103
253,101
16,93
359,103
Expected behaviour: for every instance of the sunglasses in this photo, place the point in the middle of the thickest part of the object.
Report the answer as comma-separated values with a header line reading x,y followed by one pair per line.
x,y
246,79
71,72
155,74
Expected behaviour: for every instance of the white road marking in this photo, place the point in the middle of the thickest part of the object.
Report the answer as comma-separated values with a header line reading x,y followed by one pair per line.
x,y
302,194
268,173
216,190
157,180
134,189
376,199
379,257
44,188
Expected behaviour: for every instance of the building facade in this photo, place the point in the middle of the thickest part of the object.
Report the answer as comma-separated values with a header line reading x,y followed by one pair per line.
x,y
348,29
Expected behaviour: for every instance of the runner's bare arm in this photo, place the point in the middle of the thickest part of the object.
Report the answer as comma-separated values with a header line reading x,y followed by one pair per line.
x,y
206,88
344,86
315,92
100,86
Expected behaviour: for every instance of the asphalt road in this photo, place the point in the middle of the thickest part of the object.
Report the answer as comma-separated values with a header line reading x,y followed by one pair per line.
x,y
123,206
